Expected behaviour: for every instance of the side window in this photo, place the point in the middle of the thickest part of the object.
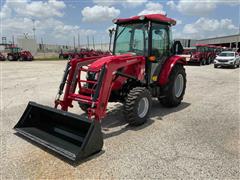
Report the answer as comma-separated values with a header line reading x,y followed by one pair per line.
x,y
138,38
123,40
160,40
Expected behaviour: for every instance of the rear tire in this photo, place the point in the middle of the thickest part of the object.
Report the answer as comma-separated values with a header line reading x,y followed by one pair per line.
x,y
21,59
172,95
10,57
215,66
137,106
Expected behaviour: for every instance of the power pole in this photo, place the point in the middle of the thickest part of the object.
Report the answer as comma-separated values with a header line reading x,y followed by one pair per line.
x,y
13,39
42,46
78,41
74,42
34,29
93,42
87,41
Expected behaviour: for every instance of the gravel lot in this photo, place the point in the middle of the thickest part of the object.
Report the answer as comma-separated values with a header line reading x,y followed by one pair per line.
x,y
198,139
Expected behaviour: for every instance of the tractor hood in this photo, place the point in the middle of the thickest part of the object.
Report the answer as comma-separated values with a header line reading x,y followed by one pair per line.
x,y
101,61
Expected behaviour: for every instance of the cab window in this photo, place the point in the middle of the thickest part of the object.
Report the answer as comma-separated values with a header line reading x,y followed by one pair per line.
x,y
160,40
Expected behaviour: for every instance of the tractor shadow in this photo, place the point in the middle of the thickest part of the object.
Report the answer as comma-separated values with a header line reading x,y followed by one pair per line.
x,y
114,123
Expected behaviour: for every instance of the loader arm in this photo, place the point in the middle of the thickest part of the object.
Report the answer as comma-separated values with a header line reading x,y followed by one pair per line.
x,y
106,68
107,82
69,80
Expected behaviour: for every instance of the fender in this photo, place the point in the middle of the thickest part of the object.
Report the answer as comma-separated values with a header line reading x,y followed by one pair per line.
x,y
167,67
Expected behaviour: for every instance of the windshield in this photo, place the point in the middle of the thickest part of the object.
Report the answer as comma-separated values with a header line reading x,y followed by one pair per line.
x,y
131,38
226,54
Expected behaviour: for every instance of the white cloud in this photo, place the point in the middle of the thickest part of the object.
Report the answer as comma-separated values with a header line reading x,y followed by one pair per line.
x,y
122,2
99,13
178,21
196,7
153,8
205,27
34,9
16,19
5,11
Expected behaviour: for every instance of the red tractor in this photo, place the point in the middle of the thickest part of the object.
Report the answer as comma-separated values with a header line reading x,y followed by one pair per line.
x,y
16,54
202,55
143,66
212,52
2,57
67,55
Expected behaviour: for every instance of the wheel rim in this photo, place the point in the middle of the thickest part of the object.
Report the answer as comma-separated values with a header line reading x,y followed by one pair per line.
x,y
178,85
143,107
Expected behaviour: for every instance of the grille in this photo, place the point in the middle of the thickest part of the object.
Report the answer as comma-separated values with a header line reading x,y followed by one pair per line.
x,y
223,60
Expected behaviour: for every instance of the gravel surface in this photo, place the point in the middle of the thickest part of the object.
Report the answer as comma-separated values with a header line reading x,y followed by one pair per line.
x,y
198,139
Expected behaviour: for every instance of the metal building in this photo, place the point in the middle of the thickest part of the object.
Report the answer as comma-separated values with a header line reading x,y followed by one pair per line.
x,y
232,41
187,42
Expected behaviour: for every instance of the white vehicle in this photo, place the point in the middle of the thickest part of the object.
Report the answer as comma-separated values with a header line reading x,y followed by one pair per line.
x,y
227,58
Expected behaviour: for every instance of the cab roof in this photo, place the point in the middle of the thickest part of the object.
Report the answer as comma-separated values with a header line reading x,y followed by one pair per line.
x,y
160,18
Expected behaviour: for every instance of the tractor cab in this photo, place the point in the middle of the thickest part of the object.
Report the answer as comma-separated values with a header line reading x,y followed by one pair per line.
x,y
13,53
147,35
202,54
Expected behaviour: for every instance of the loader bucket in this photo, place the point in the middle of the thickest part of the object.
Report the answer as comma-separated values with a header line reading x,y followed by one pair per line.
x,y
68,134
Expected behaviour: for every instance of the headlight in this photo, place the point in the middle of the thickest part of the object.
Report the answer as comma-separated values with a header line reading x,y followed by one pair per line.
x,y
231,59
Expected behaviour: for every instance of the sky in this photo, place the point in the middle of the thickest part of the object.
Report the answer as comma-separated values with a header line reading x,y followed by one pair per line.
x,y
58,21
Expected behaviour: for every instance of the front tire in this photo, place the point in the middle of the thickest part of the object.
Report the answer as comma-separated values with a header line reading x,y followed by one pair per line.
x,y
174,91
215,66
137,106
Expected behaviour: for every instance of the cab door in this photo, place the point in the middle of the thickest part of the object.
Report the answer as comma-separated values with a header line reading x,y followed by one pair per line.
x,y
160,48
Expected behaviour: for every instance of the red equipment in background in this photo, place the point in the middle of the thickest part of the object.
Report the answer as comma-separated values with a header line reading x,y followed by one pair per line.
x,y
203,55
16,54
2,57
82,54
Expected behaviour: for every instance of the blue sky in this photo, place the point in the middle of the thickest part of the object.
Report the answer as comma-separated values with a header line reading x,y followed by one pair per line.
x,y
57,21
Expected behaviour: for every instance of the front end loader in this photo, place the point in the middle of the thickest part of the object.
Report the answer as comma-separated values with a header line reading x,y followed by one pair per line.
x,y
143,66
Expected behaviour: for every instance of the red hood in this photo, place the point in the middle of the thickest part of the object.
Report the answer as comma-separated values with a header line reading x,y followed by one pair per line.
x,y
26,53
100,62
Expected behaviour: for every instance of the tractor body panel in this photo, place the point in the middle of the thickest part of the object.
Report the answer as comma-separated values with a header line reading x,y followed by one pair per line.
x,y
167,68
